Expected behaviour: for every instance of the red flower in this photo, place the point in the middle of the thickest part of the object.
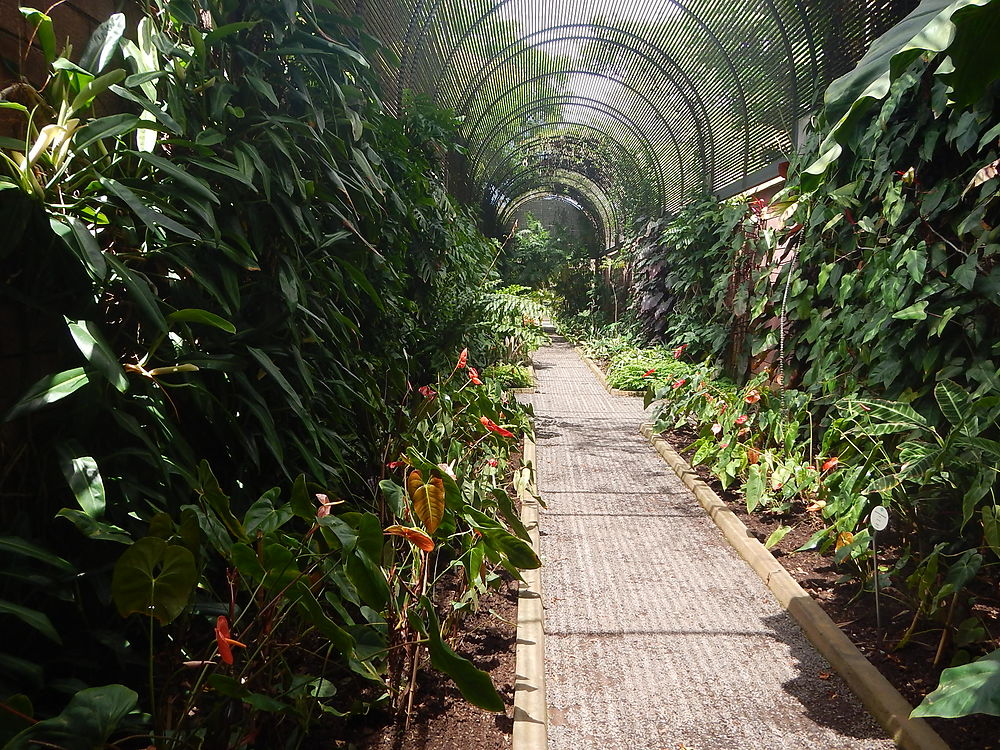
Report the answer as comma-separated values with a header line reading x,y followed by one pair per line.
x,y
679,351
426,391
393,465
492,462
462,359
492,426
474,376
679,383
648,373
741,419
414,536
830,464
223,641
752,397
325,504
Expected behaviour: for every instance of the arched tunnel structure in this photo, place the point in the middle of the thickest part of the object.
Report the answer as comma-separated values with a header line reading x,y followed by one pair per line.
x,y
626,109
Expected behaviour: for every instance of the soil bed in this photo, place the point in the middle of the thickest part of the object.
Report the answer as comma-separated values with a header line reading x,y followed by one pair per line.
x,y
910,669
442,719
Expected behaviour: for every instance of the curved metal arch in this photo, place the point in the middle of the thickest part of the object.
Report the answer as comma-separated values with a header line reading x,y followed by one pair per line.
x,y
595,192
701,109
590,194
587,207
534,146
538,195
698,21
492,177
484,76
644,139
640,136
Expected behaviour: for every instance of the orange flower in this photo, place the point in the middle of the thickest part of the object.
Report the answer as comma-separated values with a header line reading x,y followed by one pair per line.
x,y
649,372
492,426
752,397
223,641
474,376
414,536
830,464
462,359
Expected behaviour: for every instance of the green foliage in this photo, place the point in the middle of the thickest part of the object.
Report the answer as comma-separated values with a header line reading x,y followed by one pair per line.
x,y
970,689
878,303
213,227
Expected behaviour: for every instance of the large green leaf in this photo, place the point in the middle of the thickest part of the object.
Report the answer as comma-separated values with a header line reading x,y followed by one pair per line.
x,y
953,400
15,545
929,28
87,722
970,689
754,488
154,578
97,352
31,617
150,217
84,478
48,390
192,315
43,31
474,684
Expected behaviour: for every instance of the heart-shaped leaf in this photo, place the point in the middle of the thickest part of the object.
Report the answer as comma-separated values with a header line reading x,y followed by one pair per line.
x,y
154,578
427,499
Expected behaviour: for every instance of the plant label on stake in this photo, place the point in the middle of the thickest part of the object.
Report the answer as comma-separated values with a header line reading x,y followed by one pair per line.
x,y
879,520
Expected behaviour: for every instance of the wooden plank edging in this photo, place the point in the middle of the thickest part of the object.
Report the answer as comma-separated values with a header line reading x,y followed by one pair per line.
x,y
531,718
602,378
875,692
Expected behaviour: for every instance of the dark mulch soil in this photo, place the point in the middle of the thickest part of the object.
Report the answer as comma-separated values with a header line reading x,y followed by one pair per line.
x,y
910,669
442,719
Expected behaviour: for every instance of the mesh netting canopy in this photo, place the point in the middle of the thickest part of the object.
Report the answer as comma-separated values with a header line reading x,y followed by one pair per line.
x,y
624,108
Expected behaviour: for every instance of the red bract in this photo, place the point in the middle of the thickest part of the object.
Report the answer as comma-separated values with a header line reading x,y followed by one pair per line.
x,y
392,465
325,504
492,462
462,359
492,426
426,391
474,376
741,419
753,397
679,351
830,464
223,641
649,372
679,383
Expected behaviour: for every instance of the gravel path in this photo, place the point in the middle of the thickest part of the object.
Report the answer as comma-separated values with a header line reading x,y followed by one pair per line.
x,y
658,637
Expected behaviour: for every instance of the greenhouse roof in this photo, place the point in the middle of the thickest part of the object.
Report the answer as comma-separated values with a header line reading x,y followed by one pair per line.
x,y
626,108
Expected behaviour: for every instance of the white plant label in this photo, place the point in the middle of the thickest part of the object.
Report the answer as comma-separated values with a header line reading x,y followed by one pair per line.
x,y
879,518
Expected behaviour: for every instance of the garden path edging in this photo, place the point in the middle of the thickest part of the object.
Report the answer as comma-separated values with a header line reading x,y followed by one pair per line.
x,y
602,378
875,692
530,705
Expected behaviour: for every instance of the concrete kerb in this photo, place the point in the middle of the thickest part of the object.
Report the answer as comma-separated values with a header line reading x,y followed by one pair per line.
x,y
531,721
602,378
877,694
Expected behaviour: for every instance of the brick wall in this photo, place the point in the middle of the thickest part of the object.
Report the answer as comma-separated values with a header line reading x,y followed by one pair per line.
x,y
74,21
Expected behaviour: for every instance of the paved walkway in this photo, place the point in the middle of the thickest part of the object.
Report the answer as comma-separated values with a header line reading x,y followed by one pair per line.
x,y
658,637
